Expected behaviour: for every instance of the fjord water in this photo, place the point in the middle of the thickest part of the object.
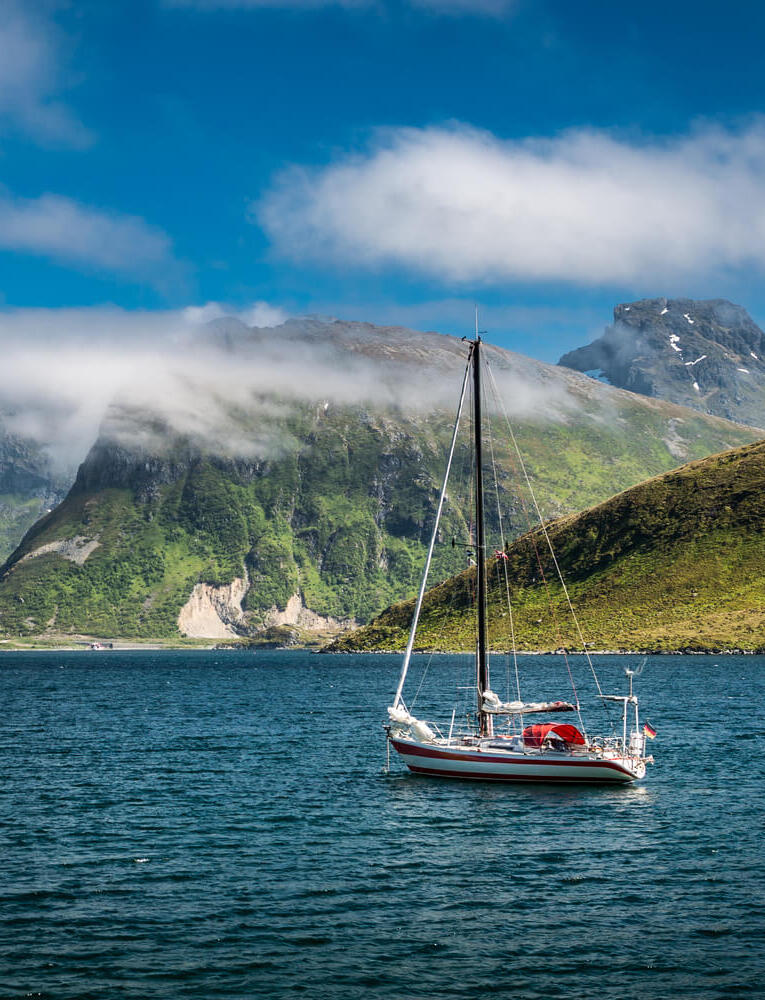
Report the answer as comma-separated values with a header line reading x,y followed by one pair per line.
x,y
218,824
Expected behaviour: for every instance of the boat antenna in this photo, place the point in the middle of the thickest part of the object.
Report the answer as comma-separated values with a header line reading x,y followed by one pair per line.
x,y
638,670
482,664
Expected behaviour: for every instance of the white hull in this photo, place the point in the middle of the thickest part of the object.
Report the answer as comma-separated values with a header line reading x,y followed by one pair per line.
x,y
488,763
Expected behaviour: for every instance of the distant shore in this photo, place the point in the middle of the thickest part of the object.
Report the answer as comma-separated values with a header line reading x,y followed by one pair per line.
x,y
122,646
86,646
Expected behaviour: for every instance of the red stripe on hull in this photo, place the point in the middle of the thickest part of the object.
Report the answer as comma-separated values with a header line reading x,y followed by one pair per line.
x,y
554,778
612,772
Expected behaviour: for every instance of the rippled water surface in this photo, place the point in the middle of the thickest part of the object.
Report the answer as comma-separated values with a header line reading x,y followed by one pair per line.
x,y
192,824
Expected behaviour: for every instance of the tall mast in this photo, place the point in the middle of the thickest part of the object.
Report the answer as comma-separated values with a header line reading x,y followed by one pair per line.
x,y
482,664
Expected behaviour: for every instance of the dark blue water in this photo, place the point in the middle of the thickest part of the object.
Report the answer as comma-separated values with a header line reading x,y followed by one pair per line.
x,y
218,825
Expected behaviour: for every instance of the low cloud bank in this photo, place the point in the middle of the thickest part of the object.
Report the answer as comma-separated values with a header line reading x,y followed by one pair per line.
x,y
586,207
224,383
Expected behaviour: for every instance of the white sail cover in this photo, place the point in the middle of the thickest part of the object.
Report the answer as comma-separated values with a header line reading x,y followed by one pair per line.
x,y
493,705
400,717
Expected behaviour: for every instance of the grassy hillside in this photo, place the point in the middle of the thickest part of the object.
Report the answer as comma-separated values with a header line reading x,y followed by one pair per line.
x,y
676,563
334,511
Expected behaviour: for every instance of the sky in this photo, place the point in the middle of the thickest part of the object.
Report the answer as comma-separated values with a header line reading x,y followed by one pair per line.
x,y
395,161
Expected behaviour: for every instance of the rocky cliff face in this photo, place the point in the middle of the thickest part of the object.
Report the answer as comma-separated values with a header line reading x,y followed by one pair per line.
x,y
213,612
707,355
28,488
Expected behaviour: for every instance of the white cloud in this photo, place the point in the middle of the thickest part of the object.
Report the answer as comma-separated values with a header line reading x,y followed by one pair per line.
x,y
262,314
586,207
75,234
199,315
30,76
62,368
257,314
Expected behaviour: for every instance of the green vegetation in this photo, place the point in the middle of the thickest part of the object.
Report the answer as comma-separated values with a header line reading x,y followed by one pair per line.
x,y
309,520
676,563
340,513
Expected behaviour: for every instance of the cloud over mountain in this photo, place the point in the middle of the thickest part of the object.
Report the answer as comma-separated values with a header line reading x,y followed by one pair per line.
x,y
586,207
199,371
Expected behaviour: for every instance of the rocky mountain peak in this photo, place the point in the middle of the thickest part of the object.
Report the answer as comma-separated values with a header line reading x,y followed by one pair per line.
x,y
709,355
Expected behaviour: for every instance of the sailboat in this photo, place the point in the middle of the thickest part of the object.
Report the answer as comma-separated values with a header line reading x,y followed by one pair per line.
x,y
500,741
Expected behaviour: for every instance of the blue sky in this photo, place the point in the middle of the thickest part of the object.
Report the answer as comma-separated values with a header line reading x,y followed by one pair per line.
x,y
388,161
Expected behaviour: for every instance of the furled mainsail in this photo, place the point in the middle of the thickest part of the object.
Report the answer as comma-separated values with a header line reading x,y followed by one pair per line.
x,y
493,705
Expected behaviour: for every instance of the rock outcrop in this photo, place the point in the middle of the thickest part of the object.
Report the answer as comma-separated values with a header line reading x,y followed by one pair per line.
x,y
296,613
75,549
213,612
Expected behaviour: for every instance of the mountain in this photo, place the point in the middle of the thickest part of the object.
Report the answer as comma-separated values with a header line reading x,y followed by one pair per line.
x,y
706,355
294,486
28,487
675,563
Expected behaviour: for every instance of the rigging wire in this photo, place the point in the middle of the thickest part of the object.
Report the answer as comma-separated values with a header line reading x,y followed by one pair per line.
x,y
461,496
422,679
540,565
543,576
423,583
549,543
462,500
504,562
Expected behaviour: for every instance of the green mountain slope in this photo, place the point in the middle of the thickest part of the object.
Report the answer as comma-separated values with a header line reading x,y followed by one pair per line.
x,y
675,563
325,522
319,520
28,488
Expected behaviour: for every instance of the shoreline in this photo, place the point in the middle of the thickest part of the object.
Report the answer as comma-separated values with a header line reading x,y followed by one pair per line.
x,y
722,651
83,646
125,646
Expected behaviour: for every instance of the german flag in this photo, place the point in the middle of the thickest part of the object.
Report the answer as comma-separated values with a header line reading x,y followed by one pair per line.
x,y
649,730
